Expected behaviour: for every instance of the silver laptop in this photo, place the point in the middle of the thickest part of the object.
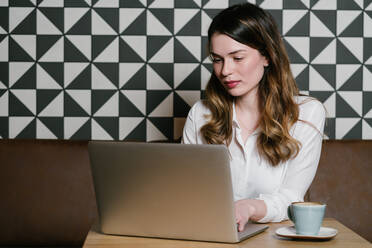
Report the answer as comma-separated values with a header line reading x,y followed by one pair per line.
x,y
174,191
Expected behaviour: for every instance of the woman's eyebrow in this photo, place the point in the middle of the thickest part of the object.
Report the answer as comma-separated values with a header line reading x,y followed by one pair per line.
x,y
230,53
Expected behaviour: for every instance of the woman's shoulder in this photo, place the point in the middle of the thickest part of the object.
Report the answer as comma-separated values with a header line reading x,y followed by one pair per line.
x,y
200,108
310,107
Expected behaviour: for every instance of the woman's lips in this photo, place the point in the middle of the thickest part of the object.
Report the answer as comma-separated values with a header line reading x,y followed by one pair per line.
x,y
231,84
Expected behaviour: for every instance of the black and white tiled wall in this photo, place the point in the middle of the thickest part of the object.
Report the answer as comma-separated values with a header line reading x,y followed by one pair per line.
x,y
131,69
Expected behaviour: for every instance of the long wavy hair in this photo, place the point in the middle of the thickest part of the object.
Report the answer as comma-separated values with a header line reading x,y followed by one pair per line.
x,y
252,26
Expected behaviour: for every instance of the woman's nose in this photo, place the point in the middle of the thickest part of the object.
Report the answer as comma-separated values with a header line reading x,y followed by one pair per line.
x,y
226,68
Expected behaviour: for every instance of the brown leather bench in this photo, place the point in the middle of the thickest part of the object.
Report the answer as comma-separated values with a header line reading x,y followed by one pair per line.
x,y
47,195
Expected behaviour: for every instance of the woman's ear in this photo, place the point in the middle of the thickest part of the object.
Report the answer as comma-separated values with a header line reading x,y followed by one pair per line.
x,y
266,62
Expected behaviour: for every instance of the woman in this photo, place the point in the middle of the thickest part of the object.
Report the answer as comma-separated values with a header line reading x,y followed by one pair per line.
x,y
253,106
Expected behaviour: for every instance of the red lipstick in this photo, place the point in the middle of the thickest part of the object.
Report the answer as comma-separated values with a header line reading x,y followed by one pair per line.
x,y
232,84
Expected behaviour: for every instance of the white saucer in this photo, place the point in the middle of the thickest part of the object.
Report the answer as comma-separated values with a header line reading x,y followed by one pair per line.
x,y
290,232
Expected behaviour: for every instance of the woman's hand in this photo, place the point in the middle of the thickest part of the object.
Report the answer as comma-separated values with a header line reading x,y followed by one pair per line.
x,y
249,209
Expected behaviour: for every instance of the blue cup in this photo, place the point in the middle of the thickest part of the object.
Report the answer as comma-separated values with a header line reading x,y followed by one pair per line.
x,y
307,217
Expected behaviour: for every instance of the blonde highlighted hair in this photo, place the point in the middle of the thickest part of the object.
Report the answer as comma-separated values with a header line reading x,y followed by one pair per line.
x,y
252,26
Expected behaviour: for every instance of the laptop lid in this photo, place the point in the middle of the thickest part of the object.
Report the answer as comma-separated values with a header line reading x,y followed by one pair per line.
x,y
164,190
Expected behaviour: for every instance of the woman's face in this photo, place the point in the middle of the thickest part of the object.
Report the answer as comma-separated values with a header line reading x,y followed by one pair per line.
x,y
238,66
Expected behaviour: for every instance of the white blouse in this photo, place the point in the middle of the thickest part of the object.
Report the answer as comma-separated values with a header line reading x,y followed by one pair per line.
x,y
252,176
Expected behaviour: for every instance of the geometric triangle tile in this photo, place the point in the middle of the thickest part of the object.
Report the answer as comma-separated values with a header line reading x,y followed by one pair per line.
x,y
154,81
78,18
367,103
292,18
222,4
321,23
72,107
73,53
132,76
367,129
329,128
367,53
153,133
133,4
137,43
4,73
355,133
164,70
186,4
317,82
189,96
161,17
55,16
109,71
45,26
4,127
49,102
55,53
277,14
127,53
329,101
296,4
83,78
100,26
161,4
138,133
4,103
164,108
324,4
16,71
83,43
100,43
22,127
22,20
100,81
354,99
43,132
271,4
73,71
180,106
350,23
127,108
22,100
346,109
345,73
189,47
367,32
110,107
367,78
44,43
156,26
206,20
128,71
82,98
45,80
4,49
182,71
25,81
344,125
326,55
109,16
350,5
192,81
72,125
187,21
106,3
301,45
54,124
83,132
354,45
51,3
318,45
164,125
161,47
4,19
154,98
301,74
354,82
347,50
132,18
19,44
99,132
127,125
110,53
138,98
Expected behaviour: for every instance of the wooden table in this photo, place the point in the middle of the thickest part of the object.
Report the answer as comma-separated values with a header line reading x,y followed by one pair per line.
x,y
345,238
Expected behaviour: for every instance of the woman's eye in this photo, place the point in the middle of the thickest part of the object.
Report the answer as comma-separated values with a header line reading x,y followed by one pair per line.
x,y
238,58
216,60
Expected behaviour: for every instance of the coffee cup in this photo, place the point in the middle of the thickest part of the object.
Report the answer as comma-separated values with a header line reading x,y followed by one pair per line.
x,y
307,217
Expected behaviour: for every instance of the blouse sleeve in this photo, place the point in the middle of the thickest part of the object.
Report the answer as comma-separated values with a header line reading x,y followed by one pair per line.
x,y
189,135
299,171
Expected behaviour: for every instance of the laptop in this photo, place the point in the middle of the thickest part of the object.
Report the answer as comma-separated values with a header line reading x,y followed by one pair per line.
x,y
166,190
